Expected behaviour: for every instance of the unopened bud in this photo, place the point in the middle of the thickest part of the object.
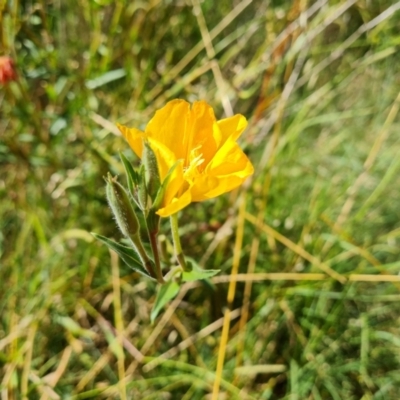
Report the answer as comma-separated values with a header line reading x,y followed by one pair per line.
x,y
142,190
122,208
152,176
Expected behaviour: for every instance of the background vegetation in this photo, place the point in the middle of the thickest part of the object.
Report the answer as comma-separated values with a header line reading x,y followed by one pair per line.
x,y
314,235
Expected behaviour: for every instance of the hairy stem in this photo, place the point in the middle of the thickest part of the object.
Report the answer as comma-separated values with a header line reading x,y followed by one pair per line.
x,y
156,254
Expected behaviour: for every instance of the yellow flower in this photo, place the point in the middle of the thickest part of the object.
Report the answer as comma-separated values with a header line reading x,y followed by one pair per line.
x,y
210,162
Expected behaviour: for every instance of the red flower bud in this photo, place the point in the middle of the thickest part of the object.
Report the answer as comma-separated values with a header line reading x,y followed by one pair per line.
x,y
7,70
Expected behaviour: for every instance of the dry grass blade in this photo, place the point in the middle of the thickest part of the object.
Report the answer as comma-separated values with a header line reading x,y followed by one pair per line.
x,y
302,276
195,50
28,361
230,297
208,330
53,378
349,41
17,332
118,324
297,249
381,137
46,391
221,84
97,367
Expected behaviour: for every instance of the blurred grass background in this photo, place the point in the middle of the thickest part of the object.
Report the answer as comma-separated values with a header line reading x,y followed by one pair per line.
x,y
314,235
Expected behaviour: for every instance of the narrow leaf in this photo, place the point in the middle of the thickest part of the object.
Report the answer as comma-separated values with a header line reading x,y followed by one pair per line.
x,y
165,293
105,78
196,273
199,275
127,254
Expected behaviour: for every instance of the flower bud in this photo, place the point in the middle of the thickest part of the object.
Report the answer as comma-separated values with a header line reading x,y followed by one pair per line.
x,y
152,176
142,191
121,207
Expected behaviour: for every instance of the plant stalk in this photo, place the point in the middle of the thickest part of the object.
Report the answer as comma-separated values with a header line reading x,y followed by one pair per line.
x,y
156,255
177,241
137,244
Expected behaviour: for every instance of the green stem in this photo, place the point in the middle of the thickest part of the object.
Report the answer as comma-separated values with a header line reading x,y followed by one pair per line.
x,y
137,244
177,241
154,248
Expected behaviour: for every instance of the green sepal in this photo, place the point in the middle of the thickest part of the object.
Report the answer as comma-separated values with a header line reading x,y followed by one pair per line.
x,y
127,254
165,293
197,273
161,191
152,176
131,175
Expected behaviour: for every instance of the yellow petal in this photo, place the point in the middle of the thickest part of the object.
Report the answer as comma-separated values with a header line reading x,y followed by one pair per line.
x,y
232,127
224,185
176,205
205,133
134,137
229,159
227,170
165,157
203,185
170,126
177,184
